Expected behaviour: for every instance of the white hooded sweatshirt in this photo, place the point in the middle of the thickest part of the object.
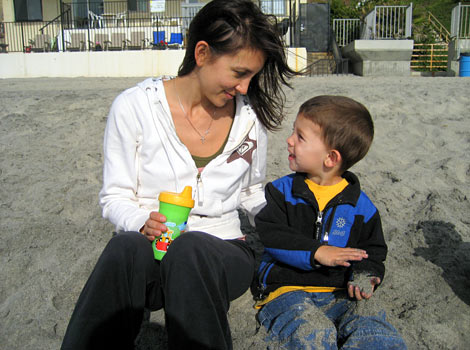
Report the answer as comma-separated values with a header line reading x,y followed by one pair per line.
x,y
143,156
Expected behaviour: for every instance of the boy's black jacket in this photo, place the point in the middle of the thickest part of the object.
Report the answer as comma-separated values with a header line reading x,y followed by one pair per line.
x,y
290,232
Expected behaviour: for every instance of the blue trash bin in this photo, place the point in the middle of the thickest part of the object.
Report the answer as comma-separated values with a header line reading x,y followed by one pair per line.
x,y
464,69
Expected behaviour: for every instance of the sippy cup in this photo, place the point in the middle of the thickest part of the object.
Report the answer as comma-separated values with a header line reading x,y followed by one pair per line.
x,y
176,208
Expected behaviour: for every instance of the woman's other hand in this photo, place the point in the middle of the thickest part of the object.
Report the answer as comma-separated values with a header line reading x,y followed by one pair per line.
x,y
154,226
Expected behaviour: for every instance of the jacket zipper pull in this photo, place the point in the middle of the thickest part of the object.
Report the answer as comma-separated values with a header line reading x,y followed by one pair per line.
x,y
328,225
318,224
200,189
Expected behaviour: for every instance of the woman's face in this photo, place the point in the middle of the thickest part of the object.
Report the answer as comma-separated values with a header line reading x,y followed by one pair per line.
x,y
222,77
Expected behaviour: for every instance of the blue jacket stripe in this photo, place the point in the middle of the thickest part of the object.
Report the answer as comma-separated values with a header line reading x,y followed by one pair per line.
x,y
265,277
368,208
296,258
284,185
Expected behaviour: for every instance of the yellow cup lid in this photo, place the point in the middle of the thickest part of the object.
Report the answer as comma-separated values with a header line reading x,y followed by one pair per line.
x,y
183,199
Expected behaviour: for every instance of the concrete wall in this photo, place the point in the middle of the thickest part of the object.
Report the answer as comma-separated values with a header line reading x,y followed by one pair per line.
x,y
380,57
90,64
106,63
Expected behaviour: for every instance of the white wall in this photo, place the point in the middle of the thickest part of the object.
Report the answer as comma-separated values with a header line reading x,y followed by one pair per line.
x,y
106,63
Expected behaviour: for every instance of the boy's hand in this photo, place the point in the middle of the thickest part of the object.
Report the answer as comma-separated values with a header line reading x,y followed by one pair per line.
x,y
363,286
334,256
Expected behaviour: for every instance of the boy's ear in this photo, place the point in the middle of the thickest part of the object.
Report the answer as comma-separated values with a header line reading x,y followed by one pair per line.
x,y
333,159
201,52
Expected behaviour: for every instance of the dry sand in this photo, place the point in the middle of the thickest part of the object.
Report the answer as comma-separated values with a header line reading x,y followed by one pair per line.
x,y
417,173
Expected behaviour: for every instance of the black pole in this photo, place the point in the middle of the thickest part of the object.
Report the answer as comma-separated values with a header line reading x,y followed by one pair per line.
x,y
62,25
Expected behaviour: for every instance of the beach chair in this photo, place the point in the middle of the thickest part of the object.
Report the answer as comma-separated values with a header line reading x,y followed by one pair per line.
x,y
96,21
121,18
101,42
137,41
77,42
41,43
159,40
118,42
176,40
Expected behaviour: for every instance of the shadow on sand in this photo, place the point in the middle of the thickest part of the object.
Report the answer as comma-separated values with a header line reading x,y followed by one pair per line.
x,y
447,250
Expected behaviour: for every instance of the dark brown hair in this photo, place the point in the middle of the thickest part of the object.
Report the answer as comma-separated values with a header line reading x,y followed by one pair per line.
x,y
231,25
346,125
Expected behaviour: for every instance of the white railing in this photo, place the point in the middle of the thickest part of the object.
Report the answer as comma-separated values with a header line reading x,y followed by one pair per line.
x,y
388,22
346,30
460,24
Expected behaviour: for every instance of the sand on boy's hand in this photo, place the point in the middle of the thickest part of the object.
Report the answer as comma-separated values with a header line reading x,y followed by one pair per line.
x,y
363,281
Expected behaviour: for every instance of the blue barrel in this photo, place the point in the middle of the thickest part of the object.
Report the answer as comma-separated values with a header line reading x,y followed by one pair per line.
x,y
464,70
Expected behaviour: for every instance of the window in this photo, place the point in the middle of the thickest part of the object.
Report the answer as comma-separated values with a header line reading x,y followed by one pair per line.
x,y
28,10
138,5
273,7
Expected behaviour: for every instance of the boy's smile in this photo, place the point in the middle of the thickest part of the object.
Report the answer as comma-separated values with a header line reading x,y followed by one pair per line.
x,y
308,153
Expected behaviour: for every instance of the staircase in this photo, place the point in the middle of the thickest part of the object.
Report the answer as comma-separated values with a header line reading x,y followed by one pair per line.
x,y
320,63
440,30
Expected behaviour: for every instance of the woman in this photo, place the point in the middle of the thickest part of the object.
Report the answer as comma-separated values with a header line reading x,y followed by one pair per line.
x,y
205,129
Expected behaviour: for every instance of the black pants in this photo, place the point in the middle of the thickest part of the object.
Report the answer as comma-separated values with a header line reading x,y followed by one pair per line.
x,y
194,283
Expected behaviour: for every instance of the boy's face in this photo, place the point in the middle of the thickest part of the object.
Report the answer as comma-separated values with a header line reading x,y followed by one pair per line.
x,y
307,151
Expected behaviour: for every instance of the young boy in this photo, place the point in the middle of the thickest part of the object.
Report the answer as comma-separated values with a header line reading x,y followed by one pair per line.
x,y
323,237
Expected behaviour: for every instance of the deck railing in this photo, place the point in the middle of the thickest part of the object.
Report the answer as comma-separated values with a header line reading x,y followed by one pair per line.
x,y
388,22
346,30
460,23
109,25
429,57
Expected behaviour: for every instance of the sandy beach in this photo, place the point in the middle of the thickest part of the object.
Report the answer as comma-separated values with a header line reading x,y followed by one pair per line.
x,y
417,173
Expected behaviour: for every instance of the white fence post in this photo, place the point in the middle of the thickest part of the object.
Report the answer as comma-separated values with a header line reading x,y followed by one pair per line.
x,y
409,21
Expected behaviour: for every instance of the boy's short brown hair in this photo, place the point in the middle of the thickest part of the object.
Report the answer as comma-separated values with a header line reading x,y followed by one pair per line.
x,y
346,125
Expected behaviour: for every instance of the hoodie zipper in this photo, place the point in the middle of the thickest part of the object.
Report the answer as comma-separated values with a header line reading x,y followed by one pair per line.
x,y
200,189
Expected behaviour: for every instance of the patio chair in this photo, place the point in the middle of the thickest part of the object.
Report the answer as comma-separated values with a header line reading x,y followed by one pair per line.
x,y
121,17
159,40
101,42
118,42
176,40
77,42
41,43
137,42
96,21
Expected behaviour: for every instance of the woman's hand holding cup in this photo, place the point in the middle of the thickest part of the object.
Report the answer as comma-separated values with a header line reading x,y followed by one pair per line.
x,y
154,226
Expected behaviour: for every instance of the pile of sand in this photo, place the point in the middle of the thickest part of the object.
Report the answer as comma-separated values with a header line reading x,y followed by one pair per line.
x,y
417,173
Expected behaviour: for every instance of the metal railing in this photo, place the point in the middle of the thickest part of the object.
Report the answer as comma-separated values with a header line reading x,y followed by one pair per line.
x,y
429,57
388,22
110,25
460,23
346,30
442,31
102,26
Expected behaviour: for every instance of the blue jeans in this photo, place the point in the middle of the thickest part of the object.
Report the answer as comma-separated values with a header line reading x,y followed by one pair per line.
x,y
301,320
